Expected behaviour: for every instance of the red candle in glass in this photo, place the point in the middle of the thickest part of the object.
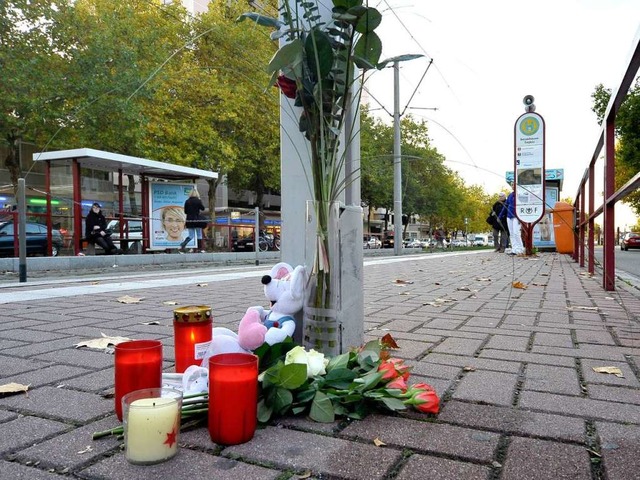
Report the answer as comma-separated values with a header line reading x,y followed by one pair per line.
x,y
233,397
138,365
192,327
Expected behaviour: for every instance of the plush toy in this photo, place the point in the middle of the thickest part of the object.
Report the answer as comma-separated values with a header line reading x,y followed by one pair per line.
x,y
284,288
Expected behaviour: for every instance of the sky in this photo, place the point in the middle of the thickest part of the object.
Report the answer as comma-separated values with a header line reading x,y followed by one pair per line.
x,y
487,55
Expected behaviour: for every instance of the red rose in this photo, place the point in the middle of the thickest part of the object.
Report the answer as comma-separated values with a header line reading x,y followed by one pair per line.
x,y
287,86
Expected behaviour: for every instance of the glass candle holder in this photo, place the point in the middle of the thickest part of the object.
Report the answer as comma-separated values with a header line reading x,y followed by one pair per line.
x,y
138,364
233,397
192,327
151,424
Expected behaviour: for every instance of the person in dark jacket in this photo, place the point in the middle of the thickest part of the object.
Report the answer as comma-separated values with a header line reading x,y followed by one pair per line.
x,y
500,229
96,230
192,208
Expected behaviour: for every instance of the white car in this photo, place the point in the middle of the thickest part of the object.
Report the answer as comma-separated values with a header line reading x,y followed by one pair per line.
x,y
372,242
133,235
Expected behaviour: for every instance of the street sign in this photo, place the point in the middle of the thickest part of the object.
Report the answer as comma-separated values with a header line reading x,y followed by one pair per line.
x,y
529,167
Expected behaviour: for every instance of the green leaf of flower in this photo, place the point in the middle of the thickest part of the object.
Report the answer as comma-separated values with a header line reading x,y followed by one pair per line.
x,y
318,46
271,376
305,396
261,20
369,21
340,361
264,411
288,58
340,378
368,381
281,400
393,403
322,409
292,376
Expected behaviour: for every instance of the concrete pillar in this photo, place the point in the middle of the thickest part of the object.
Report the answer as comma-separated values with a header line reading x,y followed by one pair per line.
x,y
297,189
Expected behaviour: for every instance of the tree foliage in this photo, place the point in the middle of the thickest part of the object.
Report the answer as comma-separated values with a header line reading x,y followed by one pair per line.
x,y
430,190
628,134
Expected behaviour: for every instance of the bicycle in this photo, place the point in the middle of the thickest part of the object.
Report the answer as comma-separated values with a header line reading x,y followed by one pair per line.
x,y
267,241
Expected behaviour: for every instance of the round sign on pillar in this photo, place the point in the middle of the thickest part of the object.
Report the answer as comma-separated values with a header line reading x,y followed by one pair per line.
x,y
529,165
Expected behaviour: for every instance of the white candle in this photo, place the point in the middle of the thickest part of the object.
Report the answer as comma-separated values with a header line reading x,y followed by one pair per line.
x,y
151,430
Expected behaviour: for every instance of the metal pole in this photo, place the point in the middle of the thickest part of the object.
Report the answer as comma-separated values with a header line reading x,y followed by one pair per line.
x,y
397,164
256,234
22,231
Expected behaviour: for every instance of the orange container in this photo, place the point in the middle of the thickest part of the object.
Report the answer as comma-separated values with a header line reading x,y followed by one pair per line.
x,y
563,226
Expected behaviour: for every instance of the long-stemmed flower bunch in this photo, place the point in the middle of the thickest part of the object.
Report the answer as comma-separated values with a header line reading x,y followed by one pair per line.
x,y
351,384
321,65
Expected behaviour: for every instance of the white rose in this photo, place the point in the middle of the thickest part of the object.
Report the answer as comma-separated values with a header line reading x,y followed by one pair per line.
x,y
314,361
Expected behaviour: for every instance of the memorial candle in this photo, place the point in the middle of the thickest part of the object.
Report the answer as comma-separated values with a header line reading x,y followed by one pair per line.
x,y
138,364
151,425
233,397
192,328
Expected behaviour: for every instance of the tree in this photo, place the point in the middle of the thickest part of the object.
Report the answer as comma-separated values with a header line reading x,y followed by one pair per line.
x,y
628,133
31,62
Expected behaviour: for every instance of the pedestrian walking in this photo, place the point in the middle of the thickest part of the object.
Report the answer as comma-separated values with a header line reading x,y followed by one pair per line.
x,y
499,223
515,235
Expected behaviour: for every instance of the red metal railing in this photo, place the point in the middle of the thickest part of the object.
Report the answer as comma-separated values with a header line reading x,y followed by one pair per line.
x,y
585,220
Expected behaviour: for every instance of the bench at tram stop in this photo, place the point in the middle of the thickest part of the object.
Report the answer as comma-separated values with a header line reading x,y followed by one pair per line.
x,y
128,245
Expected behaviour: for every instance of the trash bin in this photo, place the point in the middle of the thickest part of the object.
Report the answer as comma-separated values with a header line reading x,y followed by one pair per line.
x,y
563,227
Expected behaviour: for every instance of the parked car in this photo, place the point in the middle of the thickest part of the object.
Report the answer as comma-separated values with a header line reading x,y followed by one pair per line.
x,y
132,230
630,240
388,242
413,243
36,240
371,242
244,244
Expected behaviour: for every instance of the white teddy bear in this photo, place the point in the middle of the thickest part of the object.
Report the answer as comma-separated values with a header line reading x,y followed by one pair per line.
x,y
284,288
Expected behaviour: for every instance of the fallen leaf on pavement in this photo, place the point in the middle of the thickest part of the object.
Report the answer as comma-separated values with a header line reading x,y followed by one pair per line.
x,y
612,370
539,284
520,285
128,299
463,289
304,475
469,369
403,282
483,279
388,341
578,307
438,302
102,343
86,450
170,302
378,443
13,388
202,284
151,323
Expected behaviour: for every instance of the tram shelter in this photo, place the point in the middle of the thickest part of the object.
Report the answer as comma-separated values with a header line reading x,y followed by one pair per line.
x,y
147,171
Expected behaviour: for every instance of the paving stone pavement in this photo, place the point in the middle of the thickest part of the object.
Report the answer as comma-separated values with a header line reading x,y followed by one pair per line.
x,y
514,369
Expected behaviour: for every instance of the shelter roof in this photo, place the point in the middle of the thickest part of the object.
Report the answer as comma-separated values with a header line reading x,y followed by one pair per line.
x,y
112,162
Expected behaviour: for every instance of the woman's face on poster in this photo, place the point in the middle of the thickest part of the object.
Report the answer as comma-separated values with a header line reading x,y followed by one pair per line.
x,y
174,225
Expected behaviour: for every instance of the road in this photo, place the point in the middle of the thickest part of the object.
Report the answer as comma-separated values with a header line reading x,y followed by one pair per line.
x,y
627,264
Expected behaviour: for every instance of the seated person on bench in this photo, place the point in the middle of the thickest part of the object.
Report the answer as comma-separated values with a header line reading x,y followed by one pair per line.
x,y
96,230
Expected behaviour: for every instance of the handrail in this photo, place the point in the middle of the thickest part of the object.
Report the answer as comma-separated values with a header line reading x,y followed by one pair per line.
x,y
606,141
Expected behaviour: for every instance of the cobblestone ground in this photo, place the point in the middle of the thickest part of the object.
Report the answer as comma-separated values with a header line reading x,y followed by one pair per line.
x,y
514,368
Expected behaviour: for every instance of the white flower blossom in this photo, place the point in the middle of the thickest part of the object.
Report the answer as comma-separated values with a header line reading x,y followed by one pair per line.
x,y
314,361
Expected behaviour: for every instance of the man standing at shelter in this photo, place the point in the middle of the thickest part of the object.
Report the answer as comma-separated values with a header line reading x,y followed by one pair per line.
x,y
500,229
517,247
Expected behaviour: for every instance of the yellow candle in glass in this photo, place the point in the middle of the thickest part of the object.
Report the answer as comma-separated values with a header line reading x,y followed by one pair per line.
x,y
151,429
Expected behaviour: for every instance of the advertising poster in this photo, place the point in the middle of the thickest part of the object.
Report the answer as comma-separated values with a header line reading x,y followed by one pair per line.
x,y
543,230
168,220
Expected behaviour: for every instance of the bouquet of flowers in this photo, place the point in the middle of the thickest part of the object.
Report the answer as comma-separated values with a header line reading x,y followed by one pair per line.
x,y
352,384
